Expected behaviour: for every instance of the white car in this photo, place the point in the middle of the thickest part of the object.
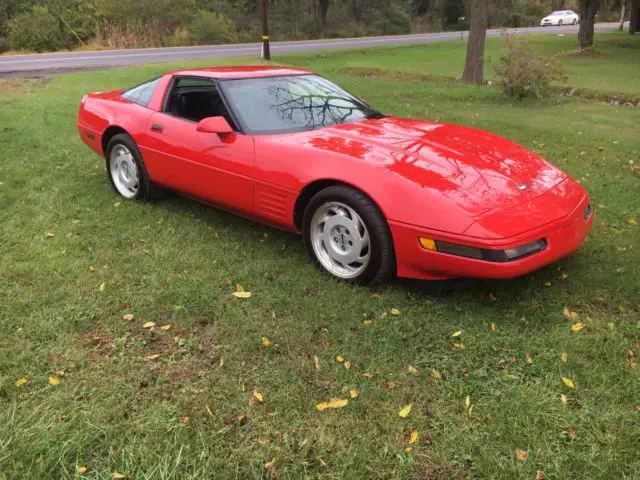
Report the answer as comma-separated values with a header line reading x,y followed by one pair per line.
x,y
561,17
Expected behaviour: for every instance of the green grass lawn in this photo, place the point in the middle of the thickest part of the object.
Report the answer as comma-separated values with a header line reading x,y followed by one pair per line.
x,y
74,261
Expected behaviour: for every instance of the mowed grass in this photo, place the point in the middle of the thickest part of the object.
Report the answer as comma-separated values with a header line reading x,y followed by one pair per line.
x,y
192,414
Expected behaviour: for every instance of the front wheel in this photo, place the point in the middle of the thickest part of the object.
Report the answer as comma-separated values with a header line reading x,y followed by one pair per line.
x,y
126,170
347,236
559,23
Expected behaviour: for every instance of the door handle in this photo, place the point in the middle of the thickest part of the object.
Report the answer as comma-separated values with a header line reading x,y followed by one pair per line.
x,y
157,128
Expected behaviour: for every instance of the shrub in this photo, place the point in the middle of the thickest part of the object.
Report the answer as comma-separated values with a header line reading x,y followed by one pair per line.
x,y
523,72
130,34
212,28
35,30
4,44
393,21
180,37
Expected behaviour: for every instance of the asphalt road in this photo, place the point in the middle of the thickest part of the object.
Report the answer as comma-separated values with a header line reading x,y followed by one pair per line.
x,y
40,64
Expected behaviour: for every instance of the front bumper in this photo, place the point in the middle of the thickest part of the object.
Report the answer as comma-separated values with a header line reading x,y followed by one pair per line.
x,y
562,236
548,23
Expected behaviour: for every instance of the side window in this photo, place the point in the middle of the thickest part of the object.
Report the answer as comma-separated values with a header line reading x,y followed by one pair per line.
x,y
195,99
142,93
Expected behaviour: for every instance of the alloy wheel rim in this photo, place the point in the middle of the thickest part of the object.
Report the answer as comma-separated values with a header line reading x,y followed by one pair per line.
x,y
340,240
124,171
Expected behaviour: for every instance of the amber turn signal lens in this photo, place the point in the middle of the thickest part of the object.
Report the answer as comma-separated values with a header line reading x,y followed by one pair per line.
x,y
428,244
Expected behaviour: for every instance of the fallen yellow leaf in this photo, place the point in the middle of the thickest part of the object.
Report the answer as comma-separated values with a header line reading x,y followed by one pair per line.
x,y
529,358
316,360
576,327
20,382
395,311
456,334
152,356
333,403
435,374
412,370
50,234
176,338
467,401
521,455
128,317
367,322
408,450
166,327
258,396
54,381
270,465
242,294
564,357
103,286
459,346
414,436
339,358
632,221
116,205
347,364
81,469
117,475
405,411
353,393
493,326
563,398
569,315
265,342
149,325
568,382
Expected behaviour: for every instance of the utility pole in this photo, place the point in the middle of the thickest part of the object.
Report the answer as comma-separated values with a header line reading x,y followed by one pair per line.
x,y
266,53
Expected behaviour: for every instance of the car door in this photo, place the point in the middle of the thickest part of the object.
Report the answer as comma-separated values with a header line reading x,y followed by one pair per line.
x,y
212,167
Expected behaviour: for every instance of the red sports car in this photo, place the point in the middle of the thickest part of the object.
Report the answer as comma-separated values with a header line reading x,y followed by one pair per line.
x,y
372,194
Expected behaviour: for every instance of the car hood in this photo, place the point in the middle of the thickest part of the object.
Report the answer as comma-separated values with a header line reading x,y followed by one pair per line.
x,y
481,172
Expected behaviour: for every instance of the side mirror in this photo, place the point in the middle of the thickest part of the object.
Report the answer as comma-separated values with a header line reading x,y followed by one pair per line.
x,y
217,125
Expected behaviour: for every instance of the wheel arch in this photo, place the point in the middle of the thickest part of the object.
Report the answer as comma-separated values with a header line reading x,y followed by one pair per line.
x,y
309,190
108,134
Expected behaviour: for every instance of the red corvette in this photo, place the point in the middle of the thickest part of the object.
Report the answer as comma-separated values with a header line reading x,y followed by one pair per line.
x,y
372,194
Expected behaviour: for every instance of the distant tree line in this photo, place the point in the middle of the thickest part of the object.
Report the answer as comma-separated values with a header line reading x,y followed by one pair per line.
x,y
45,25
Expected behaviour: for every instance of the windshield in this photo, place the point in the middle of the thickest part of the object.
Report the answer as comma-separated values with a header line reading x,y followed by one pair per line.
x,y
292,104
556,14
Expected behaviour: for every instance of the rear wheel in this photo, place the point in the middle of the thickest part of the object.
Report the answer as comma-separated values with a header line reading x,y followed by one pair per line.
x,y
347,236
126,170
574,21
559,23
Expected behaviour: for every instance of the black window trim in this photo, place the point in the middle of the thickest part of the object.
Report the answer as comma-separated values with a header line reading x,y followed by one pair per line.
x,y
167,95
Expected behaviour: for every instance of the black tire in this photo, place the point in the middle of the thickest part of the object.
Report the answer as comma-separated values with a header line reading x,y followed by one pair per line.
x,y
147,190
382,261
559,23
575,22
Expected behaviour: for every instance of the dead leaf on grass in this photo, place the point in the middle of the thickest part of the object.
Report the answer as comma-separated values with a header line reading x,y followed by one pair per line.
x,y
405,411
331,404
521,455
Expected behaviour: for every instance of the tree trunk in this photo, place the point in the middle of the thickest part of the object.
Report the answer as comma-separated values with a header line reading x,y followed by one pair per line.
x,y
323,8
588,11
623,10
474,64
634,14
